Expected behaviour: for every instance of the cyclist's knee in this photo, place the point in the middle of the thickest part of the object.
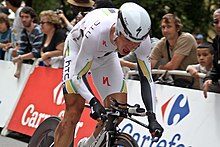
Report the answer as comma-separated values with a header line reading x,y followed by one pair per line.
x,y
120,97
72,116
74,106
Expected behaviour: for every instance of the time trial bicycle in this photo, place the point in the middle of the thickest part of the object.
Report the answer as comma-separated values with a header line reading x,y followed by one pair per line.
x,y
110,136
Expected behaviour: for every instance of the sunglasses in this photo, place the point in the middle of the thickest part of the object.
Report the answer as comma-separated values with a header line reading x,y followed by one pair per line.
x,y
215,21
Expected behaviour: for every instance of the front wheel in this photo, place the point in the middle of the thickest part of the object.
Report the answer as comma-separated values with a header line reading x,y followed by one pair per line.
x,y
121,140
44,134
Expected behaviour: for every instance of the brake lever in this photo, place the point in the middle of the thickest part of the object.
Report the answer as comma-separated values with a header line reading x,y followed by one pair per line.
x,y
136,111
124,104
116,103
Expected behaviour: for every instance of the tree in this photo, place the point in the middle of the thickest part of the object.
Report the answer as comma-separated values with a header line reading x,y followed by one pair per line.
x,y
196,15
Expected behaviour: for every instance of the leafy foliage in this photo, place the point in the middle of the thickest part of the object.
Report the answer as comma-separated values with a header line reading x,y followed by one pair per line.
x,y
40,5
196,15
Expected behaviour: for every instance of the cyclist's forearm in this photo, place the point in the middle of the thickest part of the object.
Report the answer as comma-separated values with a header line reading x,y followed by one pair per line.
x,y
147,92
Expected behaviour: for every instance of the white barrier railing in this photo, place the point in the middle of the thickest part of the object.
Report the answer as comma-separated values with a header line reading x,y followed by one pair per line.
x,y
184,113
169,72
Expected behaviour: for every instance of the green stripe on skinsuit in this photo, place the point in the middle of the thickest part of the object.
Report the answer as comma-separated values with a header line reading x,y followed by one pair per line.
x,y
85,69
145,70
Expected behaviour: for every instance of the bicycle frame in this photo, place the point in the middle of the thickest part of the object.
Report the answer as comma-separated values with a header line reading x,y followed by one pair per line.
x,y
109,135
110,128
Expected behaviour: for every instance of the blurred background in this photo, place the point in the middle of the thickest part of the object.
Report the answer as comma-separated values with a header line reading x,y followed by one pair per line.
x,y
196,15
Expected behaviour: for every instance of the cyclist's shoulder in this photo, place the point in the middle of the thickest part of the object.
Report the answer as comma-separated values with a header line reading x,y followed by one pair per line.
x,y
103,11
101,14
98,22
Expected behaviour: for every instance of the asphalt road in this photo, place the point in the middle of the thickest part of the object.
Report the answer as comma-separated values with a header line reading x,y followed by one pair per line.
x,y
14,140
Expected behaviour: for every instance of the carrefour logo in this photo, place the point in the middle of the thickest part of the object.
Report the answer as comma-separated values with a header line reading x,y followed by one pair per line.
x,y
58,95
175,109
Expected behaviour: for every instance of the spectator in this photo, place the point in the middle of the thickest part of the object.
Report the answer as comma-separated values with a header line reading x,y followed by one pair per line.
x,y
54,37
176,49
17,26
205,58
69,25
103,4
5,36
4,9
199,39
82,6
31,39
212,80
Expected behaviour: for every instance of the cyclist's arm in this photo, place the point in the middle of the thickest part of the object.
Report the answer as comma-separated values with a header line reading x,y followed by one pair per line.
x,y
82,66
146,80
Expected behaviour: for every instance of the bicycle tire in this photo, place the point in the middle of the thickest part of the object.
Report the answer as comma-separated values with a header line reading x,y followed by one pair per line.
x,y
121,140
44,134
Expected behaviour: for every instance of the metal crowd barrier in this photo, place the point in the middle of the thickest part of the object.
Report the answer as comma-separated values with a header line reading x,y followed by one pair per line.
x,y
158,71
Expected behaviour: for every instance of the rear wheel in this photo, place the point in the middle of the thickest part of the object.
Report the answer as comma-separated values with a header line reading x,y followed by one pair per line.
x,y
121,140
44,134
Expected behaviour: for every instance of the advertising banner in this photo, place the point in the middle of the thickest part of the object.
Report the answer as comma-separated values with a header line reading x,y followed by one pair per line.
x,y
11,88
42,97
188,119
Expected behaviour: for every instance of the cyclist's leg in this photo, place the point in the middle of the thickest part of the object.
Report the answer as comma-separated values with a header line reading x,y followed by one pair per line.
x,y
65,130
108,79
120,97
73,101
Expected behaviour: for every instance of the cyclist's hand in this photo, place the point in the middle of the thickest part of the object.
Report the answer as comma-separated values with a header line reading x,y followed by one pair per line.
x,y
155,128
97,109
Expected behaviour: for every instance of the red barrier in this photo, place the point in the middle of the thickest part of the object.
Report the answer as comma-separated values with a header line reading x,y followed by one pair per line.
x,y
42,97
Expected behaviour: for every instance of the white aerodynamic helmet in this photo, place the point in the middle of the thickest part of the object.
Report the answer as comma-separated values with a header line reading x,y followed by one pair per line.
x,y
133,22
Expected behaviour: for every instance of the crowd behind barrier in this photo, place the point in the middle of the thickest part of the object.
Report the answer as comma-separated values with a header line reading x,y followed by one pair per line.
x,y
27,108
52,55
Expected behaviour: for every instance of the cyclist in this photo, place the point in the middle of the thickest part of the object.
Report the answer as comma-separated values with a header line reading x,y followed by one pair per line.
x,y
92,46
